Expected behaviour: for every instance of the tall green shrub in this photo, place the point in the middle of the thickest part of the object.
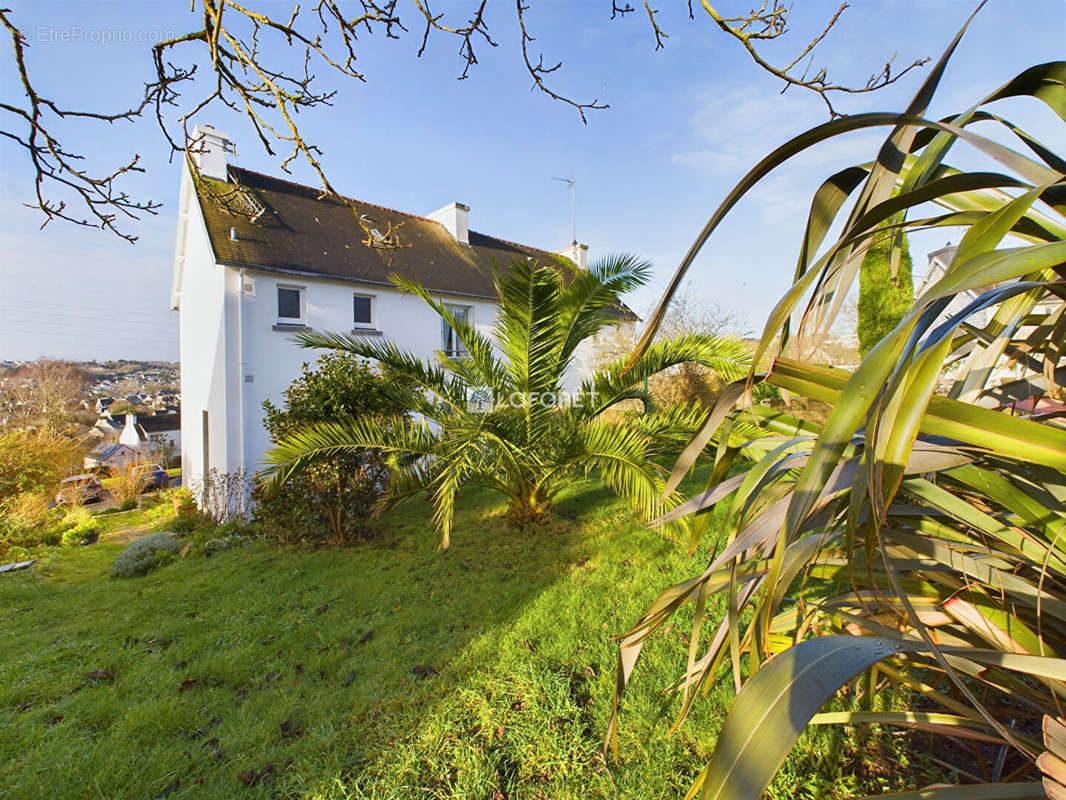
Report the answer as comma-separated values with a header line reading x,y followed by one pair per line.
x,y
883,300
333,497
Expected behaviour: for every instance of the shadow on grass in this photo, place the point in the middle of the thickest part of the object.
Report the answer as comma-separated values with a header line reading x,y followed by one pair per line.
x,y
258,667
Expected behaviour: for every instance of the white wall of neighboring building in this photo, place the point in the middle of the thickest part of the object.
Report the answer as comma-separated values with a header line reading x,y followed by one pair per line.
x,y
607,345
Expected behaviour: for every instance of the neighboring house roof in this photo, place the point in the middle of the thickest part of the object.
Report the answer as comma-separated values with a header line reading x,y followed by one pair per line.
x,y
154,423
298,230
108,452
158,423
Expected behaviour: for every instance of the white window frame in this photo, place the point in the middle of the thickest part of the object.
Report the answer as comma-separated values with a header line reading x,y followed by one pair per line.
x,y
373,324
302,319
456,353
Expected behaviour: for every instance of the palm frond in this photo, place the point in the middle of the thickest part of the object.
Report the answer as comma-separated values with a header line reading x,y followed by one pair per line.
x,y
527,331
479,366
317,442
729,357
621,456
590,295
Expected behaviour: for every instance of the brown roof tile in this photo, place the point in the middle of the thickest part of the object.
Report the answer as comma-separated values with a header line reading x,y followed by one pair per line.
x,y
301,231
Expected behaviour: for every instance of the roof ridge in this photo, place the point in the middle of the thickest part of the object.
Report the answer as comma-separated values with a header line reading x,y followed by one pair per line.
x,y
321,191
518,244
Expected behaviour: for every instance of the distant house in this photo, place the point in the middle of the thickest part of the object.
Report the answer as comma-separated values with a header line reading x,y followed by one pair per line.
x,y
160,430
1006,370
103,404
259,258
112,456
147,434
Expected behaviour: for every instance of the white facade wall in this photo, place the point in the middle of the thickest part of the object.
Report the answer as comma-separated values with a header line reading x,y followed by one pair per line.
x,y
205,346
272,360
597,350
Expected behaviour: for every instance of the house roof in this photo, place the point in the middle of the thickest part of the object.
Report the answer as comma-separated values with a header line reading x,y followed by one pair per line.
x,y
285,227
156,423
105,452
151,423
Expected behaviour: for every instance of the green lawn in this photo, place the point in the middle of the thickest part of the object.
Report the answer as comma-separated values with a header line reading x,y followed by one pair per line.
x,y
384,671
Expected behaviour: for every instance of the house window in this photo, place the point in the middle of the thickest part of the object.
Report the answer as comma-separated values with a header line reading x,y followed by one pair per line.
x,y
450,343
291,305
363,311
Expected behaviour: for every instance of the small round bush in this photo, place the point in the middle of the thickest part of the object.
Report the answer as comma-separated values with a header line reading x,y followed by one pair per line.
x,y
128,505
82,533
79,527
146,554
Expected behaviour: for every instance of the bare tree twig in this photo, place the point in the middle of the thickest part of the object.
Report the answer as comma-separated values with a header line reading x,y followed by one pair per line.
x,y
244,47
538,71
764,24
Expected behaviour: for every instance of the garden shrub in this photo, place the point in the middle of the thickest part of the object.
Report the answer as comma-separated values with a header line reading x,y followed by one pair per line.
x,y
329,501
146,554
190,523
230,535
126,484
35,463
79,527
26,520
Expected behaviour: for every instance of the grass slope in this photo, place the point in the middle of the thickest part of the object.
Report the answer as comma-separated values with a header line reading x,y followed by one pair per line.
x,y
385,671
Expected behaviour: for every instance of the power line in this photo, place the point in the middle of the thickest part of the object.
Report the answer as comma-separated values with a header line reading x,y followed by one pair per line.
x,y
102,335
15,301
133,327
63,316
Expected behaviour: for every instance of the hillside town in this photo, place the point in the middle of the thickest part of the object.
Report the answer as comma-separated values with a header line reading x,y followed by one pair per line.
x,y
117,411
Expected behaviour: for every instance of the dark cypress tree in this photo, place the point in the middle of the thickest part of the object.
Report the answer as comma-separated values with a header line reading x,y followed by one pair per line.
x,y
883,300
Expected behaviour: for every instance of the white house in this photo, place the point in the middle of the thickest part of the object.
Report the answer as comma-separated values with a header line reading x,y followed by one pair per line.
x,y
1005,372
258,258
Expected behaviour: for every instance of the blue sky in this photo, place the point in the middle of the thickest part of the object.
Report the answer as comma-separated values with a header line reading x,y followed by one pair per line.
x,y
684,124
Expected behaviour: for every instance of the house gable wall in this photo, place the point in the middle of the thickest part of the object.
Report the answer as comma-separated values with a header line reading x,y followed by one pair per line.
x,y
273,361
206,341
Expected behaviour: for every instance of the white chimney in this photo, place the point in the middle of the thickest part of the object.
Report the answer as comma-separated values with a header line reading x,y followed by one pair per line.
x,y
129,435
455,217
578,253
208,149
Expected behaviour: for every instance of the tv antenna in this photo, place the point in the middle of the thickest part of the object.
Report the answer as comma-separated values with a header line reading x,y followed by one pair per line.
x,y
573,206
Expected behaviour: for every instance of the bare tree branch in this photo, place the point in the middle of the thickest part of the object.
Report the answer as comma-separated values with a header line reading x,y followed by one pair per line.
x,y
245,49
538,71
765,24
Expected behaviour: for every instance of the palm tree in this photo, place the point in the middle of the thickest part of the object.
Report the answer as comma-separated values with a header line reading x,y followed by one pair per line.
x,y
528,443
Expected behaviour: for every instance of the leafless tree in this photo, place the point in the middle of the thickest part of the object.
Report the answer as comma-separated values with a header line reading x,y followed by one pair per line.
x,y
243,49
690,384
44,393
689,313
